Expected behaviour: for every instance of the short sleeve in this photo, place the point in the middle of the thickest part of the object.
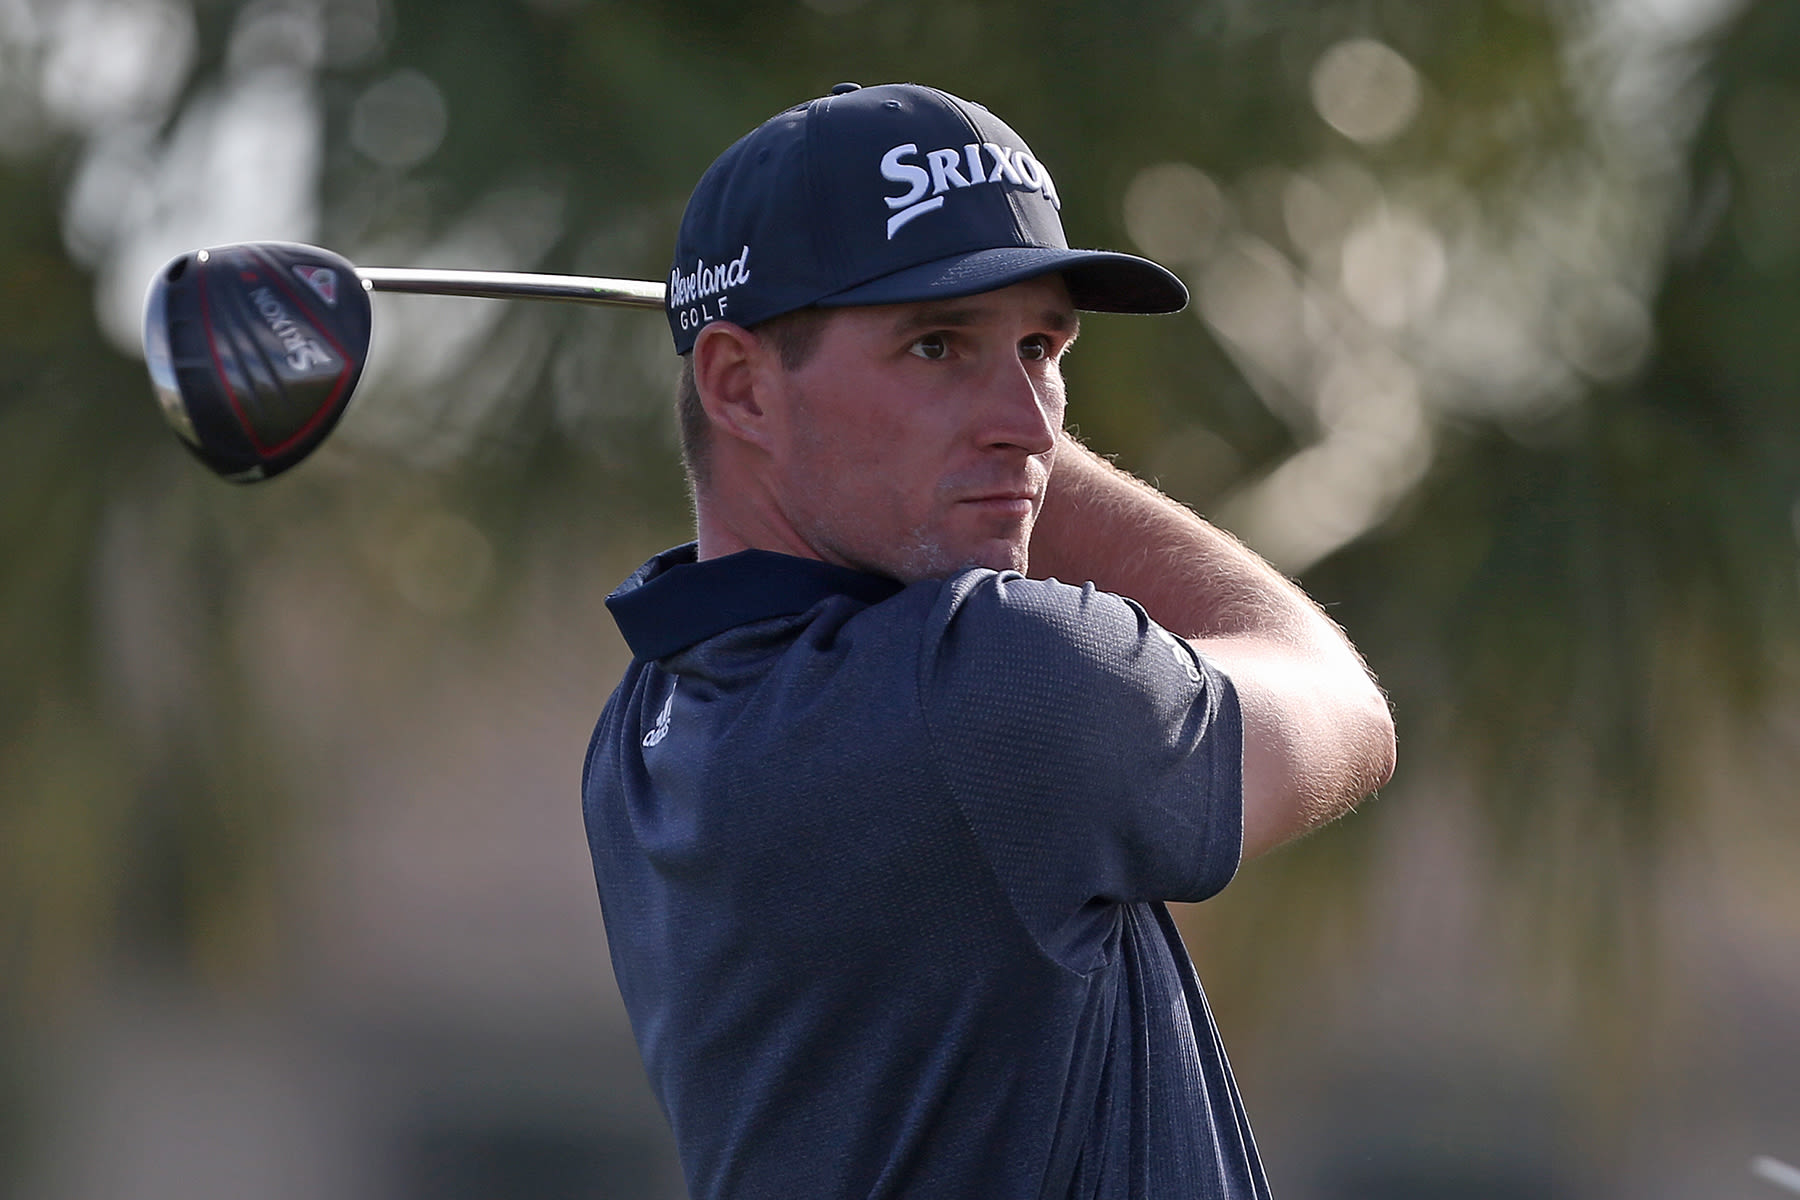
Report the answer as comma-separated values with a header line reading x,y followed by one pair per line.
x,y
1096,756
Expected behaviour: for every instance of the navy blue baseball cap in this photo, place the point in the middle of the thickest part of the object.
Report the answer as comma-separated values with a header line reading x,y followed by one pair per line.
x,y
878,195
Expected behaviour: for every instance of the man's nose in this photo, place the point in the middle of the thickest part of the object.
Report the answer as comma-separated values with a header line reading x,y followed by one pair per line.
x,y
1023,408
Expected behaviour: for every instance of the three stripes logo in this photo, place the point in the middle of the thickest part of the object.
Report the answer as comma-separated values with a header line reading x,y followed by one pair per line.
x,y
660,730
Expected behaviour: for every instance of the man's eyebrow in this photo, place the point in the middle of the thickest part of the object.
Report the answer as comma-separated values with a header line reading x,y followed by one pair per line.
x,y
938,316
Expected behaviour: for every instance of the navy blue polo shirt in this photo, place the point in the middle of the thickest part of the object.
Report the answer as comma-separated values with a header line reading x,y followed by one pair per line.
x,y
882,869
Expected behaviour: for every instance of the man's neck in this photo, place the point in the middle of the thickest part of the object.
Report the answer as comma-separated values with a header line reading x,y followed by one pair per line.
x,y
723,528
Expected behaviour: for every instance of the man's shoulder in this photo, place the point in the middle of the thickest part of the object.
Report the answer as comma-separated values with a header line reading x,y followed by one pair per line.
x,y
1004,612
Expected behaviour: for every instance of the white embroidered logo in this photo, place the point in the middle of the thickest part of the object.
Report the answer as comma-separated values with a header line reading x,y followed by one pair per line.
x,y
926,185
660,730
1182,653
702,295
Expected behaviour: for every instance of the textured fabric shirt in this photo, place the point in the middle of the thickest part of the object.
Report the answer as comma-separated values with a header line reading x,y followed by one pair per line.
x,y
882,870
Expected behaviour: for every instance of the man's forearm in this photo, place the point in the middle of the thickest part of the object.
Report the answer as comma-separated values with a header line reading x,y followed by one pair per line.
x,y
1103,526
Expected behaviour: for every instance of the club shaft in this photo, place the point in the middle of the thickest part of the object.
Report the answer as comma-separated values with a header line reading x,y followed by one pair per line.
x,y
513,285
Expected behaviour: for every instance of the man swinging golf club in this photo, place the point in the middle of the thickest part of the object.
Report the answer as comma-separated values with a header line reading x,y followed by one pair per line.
x,y
940,708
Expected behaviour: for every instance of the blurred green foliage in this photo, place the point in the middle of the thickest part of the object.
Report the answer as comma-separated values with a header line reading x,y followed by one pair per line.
x,y
1581,599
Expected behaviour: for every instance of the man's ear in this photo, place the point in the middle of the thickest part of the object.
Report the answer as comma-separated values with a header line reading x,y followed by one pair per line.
x,y
733,375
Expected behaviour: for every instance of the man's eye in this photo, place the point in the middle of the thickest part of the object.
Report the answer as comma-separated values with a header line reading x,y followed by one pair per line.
x,y
933,346
1035,348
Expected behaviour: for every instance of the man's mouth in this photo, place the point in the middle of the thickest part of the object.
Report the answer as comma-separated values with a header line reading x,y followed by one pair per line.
x,y
1023,502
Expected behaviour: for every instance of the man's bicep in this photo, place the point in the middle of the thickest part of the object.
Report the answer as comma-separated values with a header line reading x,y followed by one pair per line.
x,y
1317,737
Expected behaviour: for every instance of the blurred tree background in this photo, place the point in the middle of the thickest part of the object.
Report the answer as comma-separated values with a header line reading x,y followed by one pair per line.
x,y
1490,345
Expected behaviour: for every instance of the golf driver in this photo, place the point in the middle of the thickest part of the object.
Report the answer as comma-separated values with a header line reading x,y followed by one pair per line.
x,y
255,348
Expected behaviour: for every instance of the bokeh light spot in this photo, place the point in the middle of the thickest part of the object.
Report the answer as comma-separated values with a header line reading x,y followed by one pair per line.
x,y
1173,212
106,60
400,121
1604,333
1394,269
440,562
1365,90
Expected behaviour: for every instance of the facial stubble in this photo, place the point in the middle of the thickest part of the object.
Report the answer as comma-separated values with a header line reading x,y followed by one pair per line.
x,y
851,534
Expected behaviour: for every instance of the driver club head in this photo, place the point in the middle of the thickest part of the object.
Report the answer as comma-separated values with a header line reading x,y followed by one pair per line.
x,y
254,350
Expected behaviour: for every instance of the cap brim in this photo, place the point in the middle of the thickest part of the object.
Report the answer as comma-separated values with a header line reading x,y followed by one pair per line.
x,y
1098,280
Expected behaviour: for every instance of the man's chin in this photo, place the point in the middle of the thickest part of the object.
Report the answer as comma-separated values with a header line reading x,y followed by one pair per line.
x,y
943,562
1006,557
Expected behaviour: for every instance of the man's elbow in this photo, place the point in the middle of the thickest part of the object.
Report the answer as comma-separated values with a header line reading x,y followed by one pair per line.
x,y
1302,775
1363,759
1381,744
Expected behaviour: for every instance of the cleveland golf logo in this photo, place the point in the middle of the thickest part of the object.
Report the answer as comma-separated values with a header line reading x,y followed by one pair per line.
x,y
302,352
943,170
693,292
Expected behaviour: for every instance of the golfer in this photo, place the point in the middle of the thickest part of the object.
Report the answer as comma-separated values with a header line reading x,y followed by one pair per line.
x,y
940,707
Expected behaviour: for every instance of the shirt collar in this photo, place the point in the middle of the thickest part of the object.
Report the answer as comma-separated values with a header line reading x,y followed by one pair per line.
x,y
674,600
